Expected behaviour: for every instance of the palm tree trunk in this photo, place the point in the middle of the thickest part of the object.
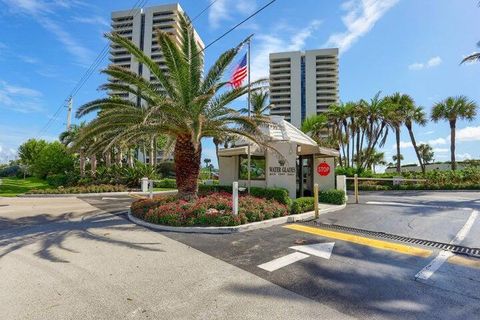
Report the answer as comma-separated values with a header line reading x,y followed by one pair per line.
x,y
453,125
216,142
353,147
130,158
93,164
108,158
82,162
397,137
151,153
187,167
120,157
414,143
358,148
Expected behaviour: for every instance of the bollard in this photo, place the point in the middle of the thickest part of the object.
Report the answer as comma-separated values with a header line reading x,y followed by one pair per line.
x,y
235,198
315,199
150,188
144,185
355,186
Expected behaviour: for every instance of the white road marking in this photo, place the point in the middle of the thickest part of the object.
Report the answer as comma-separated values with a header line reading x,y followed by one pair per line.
x,y
404,204
443,256
108,198
322,250
283,261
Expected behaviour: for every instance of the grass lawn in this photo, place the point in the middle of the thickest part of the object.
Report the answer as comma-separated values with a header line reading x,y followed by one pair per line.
x,y
10,187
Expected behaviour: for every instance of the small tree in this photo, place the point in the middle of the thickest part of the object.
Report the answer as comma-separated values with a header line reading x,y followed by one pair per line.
x,y
29,151
426,153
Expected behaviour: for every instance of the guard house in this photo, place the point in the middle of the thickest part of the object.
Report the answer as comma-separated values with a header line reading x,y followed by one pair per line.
x,y
295,161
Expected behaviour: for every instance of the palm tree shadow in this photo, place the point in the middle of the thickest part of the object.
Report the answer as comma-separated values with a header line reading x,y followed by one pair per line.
x,y
51,233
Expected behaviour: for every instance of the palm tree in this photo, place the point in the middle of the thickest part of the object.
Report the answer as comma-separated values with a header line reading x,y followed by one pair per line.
x,y
474,57
315,127
68,137
414,114
377,159
258,103
453,109
180,103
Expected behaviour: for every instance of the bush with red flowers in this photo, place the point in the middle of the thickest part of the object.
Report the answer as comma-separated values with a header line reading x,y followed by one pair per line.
x,y
214,209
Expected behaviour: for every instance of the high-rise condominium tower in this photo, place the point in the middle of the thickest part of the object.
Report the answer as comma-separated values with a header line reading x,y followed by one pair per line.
x,y
303,83
139,25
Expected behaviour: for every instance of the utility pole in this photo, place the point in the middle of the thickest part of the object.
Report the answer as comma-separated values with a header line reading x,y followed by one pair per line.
x,y
69,112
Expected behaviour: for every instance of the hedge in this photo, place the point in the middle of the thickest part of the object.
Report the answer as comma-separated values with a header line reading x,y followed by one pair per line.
x,y
277,194
166,183
301,205
332,196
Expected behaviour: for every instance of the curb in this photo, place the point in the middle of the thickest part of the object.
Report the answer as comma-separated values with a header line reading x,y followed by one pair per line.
x,y
103,194
306,216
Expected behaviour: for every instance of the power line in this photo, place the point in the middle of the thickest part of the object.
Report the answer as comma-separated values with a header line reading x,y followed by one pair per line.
x,y
238,24
86,76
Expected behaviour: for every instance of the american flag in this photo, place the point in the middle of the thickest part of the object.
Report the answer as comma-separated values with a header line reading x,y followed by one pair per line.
x,y
239,73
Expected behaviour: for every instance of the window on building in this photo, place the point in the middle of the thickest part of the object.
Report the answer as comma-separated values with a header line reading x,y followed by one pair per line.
x,y
257,167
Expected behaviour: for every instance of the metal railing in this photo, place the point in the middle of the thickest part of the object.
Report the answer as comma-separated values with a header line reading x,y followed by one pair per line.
x,y
395,181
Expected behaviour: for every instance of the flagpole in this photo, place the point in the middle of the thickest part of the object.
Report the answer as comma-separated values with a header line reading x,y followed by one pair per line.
x,y
249,115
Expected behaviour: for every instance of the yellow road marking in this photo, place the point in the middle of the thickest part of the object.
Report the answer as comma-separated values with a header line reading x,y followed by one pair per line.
x,y
467,262
384,245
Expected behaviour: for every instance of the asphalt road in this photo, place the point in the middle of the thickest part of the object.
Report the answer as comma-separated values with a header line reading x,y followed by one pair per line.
x,y
363,278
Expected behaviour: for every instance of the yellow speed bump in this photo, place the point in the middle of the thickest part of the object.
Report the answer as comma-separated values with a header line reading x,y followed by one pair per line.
x,y
379,244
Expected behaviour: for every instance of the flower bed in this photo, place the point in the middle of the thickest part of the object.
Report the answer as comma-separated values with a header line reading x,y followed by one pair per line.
x,y
81,189
213,209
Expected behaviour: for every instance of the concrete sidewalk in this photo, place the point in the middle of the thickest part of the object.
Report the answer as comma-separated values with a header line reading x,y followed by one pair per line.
x,y
85,264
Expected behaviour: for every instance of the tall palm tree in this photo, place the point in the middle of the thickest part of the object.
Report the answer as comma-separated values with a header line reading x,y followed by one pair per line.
x,y
180,103
377,159
258,103
453,109
397,103
414,114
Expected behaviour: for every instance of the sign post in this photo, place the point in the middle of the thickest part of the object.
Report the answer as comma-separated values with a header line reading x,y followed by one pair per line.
x,y
315,199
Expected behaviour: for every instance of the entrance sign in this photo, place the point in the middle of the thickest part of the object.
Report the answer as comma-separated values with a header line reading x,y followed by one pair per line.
x,y
323,169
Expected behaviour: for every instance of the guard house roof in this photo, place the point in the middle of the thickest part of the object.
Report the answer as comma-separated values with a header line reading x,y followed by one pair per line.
x,y
281,131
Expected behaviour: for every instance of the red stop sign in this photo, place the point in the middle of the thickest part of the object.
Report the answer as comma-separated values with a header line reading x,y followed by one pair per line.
x,y
323,169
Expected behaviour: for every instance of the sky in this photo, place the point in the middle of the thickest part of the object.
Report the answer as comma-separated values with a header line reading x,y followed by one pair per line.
x,y
409,46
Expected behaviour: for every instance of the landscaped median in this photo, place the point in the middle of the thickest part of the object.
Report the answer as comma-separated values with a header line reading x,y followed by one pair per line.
x,y
212,212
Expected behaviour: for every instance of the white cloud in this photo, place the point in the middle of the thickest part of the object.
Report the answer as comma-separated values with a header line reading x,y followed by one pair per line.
x,y
440,150
432,62
429,132
40,11
464,156
20,99
264,44
221,10
7,154
405,144
468,134
438,141
95,20
28,59
360,18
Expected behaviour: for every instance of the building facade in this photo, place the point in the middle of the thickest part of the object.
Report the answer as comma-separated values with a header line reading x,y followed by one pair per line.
x,y
140,25
303,83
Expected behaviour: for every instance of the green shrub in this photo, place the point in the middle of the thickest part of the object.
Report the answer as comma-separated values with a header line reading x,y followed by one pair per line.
x,y
206,189
57,180
10,170
332,196
301,205
166,183
277,194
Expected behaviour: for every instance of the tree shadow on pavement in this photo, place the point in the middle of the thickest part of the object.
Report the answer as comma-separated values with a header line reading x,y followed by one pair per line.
x,y
51,233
